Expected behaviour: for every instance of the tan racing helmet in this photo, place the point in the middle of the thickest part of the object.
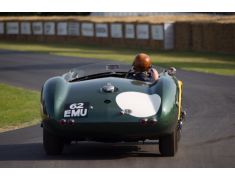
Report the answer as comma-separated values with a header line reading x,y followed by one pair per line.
x,y
142,62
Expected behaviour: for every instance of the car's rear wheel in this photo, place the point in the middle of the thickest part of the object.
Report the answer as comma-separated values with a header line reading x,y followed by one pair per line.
x,y
53,145
168,144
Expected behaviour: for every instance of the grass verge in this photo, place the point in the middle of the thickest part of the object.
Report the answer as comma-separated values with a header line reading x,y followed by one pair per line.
x,y
18,107
216,63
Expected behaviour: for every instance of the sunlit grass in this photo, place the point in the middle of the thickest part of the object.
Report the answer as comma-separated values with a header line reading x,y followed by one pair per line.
x,y
18,107
216,63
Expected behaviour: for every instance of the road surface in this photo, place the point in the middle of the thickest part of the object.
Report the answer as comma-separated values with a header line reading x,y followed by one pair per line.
x,y
208,138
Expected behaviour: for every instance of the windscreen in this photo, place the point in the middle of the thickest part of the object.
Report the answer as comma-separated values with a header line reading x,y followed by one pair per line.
x,y
95,68
98,68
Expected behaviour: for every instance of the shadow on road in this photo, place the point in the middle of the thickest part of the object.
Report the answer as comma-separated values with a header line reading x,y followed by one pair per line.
x,y
80,151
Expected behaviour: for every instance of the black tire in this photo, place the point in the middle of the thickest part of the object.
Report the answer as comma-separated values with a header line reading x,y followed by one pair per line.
x,y
168,144
53,145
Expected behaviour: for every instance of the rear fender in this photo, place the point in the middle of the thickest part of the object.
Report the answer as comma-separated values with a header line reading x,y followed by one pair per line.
x,y
167,89
53,93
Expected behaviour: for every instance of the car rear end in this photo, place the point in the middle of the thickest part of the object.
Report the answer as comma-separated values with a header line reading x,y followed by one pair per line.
x,y
109,110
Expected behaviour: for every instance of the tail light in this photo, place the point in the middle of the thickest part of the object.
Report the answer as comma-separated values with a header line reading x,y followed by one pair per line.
x,y
71,121
153,120
63,122
67,122
150,121
144,121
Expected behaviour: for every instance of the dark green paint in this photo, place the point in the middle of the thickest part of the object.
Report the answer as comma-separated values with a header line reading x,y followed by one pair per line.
x,y
104,120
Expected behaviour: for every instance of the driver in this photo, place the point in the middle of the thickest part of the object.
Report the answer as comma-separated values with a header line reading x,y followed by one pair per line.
x,y
142,69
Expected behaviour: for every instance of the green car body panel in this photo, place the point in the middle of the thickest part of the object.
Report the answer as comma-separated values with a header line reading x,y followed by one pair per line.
x,y
104,120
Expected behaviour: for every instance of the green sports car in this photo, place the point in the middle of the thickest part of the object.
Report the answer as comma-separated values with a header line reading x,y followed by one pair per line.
x,y
105,106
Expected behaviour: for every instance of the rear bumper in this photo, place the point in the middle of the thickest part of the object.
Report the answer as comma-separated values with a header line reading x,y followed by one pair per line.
x,y
109,132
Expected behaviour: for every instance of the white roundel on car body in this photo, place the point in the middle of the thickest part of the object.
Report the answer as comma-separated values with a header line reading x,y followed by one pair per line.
x,y
140,104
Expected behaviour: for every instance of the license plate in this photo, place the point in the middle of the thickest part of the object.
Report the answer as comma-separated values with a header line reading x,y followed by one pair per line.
x,y
76,110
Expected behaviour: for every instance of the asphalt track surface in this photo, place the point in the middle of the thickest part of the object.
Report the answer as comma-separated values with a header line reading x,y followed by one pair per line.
x,y
208,137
